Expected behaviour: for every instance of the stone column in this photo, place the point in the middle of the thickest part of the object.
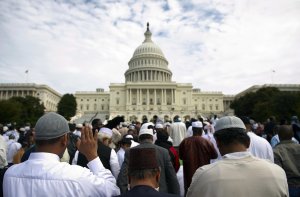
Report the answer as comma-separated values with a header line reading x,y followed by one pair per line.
x,y
137,96
147,76
172,96
175,96
147,99
154,97
140,96
127,96
130,96
162,96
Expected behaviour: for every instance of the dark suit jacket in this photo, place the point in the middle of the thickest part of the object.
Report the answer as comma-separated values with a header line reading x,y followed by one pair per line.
x,y
145,191
168,180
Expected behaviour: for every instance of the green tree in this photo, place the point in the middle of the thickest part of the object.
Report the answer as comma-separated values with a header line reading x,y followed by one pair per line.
x,y
67,106
10,111
267,102
21,110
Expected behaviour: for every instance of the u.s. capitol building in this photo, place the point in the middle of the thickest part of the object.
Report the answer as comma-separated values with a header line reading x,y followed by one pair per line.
x,y
149,90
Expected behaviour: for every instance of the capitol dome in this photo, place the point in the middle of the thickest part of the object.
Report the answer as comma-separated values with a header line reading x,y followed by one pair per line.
x,y
148,63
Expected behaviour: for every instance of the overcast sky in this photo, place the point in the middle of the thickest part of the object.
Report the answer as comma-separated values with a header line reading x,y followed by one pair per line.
x,y
216,45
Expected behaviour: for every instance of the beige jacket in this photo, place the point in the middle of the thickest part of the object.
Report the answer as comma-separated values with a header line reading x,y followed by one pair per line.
x,y
247,176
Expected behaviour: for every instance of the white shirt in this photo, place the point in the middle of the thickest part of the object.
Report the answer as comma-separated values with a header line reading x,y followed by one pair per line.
x,y
189,132
121,154
44,175
12,149
177,132
133,143
260,147
113,162
3,150
77,132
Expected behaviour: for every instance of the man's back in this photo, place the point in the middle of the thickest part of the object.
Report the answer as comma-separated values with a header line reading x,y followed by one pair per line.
x,y
248,176
146,191
43,175
168,180
195,151
260,147
287,155
177,132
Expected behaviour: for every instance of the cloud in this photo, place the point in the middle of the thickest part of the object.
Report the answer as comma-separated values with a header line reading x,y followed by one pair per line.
x,y
215,45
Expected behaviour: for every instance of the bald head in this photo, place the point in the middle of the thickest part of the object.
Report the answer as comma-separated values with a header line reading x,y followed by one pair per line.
x,y
285,132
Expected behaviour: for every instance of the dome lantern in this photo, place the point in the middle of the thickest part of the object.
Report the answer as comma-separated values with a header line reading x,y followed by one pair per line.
x,y
147,34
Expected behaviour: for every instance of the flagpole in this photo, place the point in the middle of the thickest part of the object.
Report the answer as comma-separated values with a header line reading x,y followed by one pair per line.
x,y
26,72
272,76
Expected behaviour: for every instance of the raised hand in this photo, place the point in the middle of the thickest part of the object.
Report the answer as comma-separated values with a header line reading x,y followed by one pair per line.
x,y
88,143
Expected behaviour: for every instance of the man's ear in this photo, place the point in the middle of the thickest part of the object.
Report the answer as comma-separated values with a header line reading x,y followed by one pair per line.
x,y
129,179
157,178
64,140
219,144
248,144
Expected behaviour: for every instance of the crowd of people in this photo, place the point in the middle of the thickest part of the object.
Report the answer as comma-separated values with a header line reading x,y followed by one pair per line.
x,y
198,157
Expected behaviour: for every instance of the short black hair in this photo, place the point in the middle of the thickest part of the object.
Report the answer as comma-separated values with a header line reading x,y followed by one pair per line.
x,y
232,135
245,119
143,173
96,121
145,137
50,141
197,130
285,132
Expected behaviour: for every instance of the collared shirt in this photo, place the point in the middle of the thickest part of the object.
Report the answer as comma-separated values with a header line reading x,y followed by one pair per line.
x,y
287,156
237,155
3,150
44,175
260,147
